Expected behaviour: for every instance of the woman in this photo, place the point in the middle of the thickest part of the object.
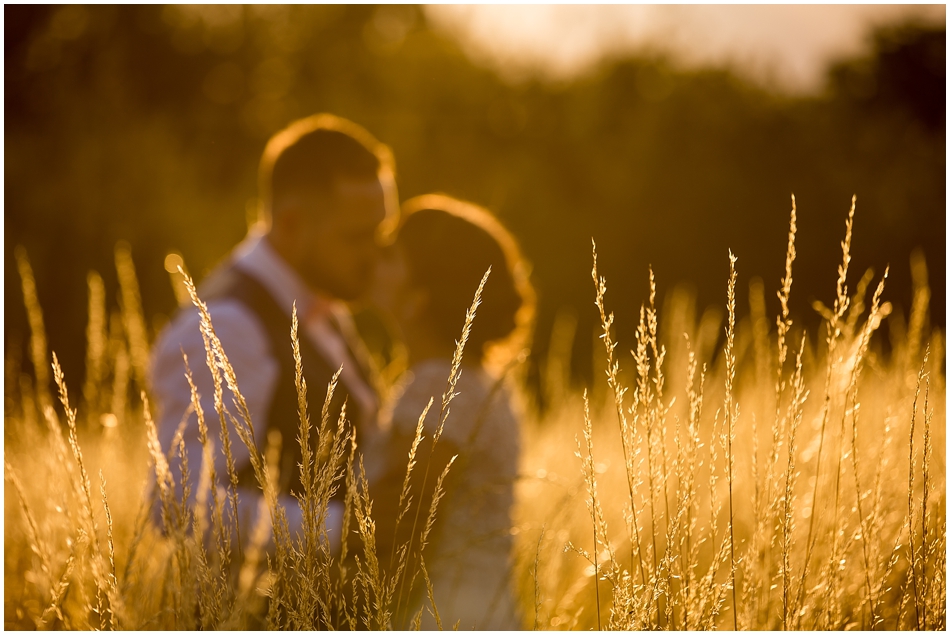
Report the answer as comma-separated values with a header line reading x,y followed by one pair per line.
x,y
440,252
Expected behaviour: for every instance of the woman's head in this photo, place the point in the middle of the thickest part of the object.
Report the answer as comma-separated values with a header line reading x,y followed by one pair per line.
x,y
445,246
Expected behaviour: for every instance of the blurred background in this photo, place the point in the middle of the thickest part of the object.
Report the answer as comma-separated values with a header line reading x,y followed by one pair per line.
x,y
668,134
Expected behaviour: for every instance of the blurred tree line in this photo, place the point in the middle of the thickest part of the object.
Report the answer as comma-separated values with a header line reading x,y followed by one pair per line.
x,y
145,124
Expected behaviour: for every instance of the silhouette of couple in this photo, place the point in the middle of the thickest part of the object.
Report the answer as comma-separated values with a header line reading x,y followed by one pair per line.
x,y
335,235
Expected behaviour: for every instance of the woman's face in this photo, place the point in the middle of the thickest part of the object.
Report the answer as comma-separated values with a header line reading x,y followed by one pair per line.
x,y
393,290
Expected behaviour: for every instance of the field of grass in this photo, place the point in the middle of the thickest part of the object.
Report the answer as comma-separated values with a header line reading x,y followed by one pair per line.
x,y
733,460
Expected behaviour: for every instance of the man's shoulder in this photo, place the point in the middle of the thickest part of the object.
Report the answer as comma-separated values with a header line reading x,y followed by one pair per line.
x,y
233,322
229,310
223,283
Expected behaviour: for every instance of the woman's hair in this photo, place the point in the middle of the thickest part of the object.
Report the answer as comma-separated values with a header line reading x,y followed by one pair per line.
x,y
448,245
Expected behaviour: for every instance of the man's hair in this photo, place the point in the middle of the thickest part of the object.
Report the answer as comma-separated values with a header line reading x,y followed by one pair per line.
x,y
310,155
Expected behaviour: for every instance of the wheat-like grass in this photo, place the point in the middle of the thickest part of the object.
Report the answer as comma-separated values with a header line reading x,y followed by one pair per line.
x,y
431,594
405,499
783,324
113,581
95,345
794,417
224,417
434,504
91,560
920,305
877,312
85,488
444,409
119,353
855,523
593,505
36,543
688,450
59,592
841,303
924,516
34,314
731,413
914,558
627,435
132,317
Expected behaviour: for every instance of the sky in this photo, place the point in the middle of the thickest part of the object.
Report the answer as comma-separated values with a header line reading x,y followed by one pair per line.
x,y
783,47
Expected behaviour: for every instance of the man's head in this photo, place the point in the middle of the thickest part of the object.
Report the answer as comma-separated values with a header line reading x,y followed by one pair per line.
x,y
327,186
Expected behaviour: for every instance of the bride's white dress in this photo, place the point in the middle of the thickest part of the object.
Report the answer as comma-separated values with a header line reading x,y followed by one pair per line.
x,y
470,559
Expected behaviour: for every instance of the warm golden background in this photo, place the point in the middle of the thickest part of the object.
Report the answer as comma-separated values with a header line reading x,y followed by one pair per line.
x,y
668,134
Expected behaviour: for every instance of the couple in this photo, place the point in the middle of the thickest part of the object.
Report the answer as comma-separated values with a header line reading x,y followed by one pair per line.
x,y
335,235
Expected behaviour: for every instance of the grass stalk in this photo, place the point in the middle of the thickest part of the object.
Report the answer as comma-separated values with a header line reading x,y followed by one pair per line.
x,y
731,415
914,559
592,504
924,518
132,316
208,338
626,434
794,417
85,487
405,499
95,344
876,314
444,410
34,314
842,301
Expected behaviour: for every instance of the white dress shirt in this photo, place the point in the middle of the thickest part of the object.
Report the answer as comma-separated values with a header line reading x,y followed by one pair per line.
x,y
248,349
469,560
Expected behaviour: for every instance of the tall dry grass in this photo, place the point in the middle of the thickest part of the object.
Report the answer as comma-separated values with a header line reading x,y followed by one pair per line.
x,y
204,570
774,480
727,475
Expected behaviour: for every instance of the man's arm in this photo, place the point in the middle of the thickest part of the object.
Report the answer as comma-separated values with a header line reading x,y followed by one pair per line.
x,y
248,351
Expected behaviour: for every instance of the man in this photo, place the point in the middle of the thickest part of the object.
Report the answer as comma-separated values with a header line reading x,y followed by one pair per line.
x,y
326,186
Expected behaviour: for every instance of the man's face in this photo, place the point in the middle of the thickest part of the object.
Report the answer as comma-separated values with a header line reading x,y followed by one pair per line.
x,y
340,242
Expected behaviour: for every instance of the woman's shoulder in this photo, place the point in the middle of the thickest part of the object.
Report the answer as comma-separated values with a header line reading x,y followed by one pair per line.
x,y
479,399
